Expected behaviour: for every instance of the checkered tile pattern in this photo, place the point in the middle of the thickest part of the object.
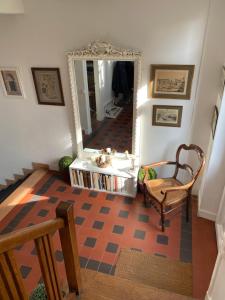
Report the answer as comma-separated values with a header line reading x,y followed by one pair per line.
x,y
114,133
105,223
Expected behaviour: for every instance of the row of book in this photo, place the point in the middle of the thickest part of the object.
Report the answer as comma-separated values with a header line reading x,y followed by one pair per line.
x,y
100,181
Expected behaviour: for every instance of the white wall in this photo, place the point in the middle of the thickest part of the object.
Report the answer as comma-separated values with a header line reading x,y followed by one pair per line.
x,y
103,70
11,7
106,74
169,32
210,81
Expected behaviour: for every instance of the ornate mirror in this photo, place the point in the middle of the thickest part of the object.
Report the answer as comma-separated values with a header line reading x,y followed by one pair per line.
x,y
105,81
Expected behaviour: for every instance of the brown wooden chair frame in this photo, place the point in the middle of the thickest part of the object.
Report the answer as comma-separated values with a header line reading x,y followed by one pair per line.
x,y
161,207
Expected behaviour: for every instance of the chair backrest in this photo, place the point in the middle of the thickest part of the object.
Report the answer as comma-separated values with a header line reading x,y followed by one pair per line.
x,y
11,283
201,157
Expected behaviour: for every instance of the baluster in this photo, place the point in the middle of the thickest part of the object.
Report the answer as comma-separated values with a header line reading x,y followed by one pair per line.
x,y
11,283
48,267
69,246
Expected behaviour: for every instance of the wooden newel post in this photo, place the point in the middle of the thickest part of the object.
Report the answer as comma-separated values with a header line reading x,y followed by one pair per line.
x,y
69,246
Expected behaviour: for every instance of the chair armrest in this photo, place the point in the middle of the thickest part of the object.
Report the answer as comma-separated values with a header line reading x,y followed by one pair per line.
x,y
158,164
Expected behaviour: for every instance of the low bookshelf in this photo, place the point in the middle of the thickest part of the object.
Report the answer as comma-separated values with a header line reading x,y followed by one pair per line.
x,y
119,178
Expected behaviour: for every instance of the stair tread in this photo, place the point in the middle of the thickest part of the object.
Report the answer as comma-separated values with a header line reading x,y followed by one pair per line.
x,y
102,286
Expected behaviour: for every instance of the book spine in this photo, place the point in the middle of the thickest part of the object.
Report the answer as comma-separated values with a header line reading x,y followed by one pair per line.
x,y
78,177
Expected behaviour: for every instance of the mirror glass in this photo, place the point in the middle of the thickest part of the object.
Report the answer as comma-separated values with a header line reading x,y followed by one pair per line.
x,y
105,96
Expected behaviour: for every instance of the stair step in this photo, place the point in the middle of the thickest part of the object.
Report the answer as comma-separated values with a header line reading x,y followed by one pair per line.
x,y
9,181
18,176
27,171
101,286
3,186
37,166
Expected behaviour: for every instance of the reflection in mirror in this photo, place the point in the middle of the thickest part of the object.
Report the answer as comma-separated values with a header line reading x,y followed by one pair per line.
x,y
105,96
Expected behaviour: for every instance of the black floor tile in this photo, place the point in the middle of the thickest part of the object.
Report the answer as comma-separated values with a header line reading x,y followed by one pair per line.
x,y
136,249
86,206
162,239
110,197
90,242
77,191
61,189
118,229
112,272
166,223
25,270
105,268
128,200
98,225
83,262
161,255
104,210
93,194
79,220
143,218
111,247
123,214
52,200
59,255
43,213
93,264
34,252
139,234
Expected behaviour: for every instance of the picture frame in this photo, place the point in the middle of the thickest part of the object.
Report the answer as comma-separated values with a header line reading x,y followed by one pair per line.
x,y
215,116
167,115
48,86
11,82
171,81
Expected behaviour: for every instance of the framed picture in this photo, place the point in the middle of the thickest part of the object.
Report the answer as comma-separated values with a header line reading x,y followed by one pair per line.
x,y
167,115
214,120
171,81
11,82
48,86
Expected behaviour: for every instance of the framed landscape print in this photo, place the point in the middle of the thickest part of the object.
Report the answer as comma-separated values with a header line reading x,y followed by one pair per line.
x,y
171,81
214,120
167,115
48,86
11,82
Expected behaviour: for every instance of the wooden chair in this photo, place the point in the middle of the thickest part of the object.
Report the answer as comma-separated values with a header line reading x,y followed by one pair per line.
x,y
167,194
11,283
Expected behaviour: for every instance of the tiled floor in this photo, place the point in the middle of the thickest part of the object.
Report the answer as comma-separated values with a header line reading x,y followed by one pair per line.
x,y
114,133
105,223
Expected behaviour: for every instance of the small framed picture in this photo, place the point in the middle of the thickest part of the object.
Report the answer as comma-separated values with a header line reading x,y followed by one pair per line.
x,y
171,81
214,120
167,115
47,82
11,82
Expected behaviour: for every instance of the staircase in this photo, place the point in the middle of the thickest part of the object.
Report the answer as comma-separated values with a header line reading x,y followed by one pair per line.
x,y
20,177
90,285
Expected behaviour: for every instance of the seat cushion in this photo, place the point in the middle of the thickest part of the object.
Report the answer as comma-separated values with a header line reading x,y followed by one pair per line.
x,y
155,187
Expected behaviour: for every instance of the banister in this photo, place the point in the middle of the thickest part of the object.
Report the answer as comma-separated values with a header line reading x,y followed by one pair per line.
x,y
13,239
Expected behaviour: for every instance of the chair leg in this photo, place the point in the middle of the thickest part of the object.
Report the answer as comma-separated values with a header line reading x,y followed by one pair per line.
x,y
162,219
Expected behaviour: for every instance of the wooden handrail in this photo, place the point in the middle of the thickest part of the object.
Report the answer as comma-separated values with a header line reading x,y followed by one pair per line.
x,y
42,236
15,238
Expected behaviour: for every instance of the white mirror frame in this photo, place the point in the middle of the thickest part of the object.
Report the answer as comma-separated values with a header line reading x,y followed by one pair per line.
x,y
99,50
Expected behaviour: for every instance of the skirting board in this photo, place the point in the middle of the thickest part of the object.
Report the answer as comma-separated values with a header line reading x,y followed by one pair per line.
x,y
203,213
